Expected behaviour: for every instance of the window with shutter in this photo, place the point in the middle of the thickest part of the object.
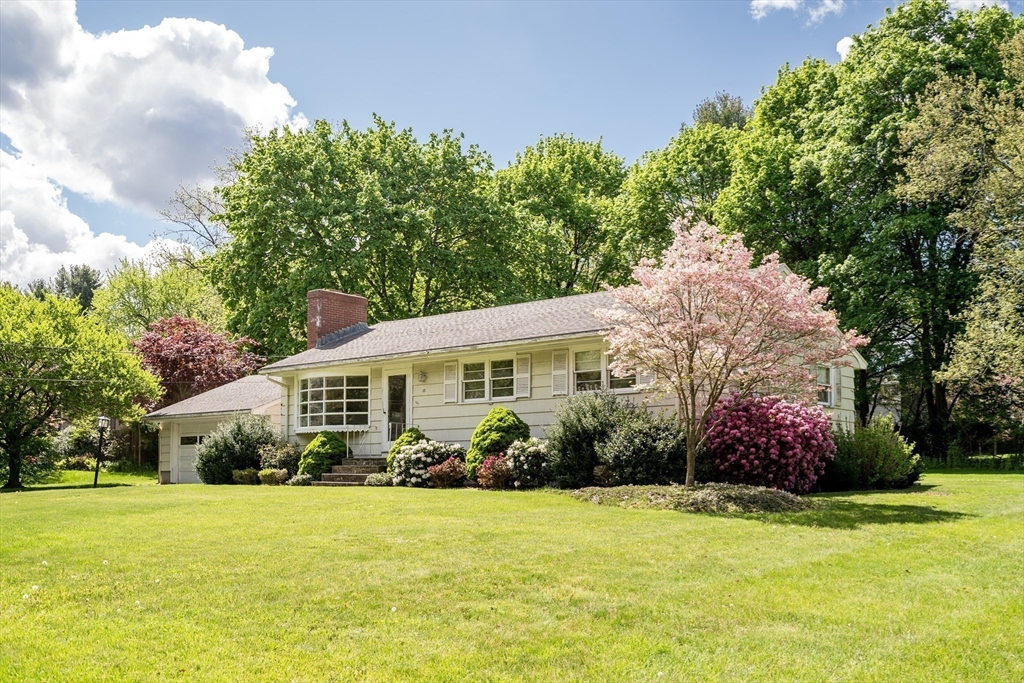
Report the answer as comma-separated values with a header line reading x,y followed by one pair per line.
x,y
824,386
559,373
523,376
451,382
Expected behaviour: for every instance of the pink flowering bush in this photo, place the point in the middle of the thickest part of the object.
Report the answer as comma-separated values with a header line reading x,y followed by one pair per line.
x,y
448,474
766,441
494,472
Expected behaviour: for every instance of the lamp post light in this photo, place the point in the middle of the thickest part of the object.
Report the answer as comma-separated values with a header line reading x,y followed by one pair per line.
x,y
102,423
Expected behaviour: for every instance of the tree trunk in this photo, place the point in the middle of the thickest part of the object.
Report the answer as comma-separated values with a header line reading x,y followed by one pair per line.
x,y
691,461
13,469
863,400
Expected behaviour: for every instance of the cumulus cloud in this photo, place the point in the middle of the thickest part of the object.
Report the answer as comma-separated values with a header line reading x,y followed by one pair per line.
x,y
843,46
815,11
976,4
119,117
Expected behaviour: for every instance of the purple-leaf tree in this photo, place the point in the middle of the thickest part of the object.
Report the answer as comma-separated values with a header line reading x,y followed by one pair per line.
x,y
706,324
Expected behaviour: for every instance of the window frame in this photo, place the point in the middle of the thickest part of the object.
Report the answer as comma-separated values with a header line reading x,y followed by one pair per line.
x,y
488,379
324,401
606,374
831,402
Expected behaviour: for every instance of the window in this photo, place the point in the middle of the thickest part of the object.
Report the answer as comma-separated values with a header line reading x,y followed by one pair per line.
x,y
824,386
474,381
334,401
501,378
191,440
587,370
627,382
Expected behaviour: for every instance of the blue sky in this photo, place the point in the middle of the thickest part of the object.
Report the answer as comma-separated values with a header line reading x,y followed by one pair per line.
x,y
502,73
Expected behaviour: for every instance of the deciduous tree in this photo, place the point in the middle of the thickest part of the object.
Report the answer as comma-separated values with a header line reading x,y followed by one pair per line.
x,y
707,323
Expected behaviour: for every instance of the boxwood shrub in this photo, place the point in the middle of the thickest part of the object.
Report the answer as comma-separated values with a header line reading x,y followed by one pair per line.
x,y
325,450
493,436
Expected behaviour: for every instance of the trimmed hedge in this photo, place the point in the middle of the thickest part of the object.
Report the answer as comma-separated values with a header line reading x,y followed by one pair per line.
x,y
327,449
493,436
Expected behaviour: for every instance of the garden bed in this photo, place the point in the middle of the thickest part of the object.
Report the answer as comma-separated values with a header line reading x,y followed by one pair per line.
x,y
714,498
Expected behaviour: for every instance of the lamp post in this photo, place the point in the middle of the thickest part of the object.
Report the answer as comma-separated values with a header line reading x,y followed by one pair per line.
x,y
102,423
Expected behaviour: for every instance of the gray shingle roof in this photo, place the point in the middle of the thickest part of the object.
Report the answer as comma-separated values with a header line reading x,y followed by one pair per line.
x,y
535,320
239,396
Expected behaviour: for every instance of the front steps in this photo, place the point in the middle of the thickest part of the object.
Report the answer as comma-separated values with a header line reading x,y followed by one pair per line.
x,y
352,472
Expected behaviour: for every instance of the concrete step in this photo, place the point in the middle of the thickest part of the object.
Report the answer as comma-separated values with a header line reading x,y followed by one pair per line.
x,y
357,469
337,483
365,462
354,478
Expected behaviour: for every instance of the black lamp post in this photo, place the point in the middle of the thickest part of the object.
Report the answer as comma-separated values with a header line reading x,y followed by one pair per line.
x,y
102,423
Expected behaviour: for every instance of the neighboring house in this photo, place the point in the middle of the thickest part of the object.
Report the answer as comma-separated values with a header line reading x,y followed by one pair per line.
x,y
185,424
443,373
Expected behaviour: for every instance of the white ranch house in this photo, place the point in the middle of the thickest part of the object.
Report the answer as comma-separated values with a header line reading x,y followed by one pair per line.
x,y
443,373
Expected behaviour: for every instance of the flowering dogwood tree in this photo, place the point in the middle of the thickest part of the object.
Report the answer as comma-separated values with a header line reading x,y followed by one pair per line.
x,y
705,324
190,358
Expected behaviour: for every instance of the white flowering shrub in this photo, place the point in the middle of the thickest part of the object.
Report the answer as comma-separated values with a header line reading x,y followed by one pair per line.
x,y
528,461
409,467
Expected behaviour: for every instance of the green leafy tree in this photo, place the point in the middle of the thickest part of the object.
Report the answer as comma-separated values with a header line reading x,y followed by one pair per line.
x,y
685,177
816,178
723,110
56,364
78,282
559,193
411,226
135,296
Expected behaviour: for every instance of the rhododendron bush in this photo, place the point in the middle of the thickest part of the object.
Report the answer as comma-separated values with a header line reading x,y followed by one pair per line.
x,y
766,441
706,323
412,463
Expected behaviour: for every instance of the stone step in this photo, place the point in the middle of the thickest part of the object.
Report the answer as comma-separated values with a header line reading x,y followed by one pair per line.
x,y
354,478
337,483
357,469
365,462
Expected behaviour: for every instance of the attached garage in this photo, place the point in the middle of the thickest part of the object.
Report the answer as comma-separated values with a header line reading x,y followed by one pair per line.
x,y
185,424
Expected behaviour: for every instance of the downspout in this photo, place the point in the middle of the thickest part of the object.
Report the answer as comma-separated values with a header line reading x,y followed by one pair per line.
x,y
286,403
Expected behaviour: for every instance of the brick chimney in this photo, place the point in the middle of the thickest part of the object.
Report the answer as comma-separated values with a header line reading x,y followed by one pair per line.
x,y
328,311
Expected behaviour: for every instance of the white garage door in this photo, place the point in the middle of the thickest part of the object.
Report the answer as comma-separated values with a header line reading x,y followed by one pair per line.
x,y
190,436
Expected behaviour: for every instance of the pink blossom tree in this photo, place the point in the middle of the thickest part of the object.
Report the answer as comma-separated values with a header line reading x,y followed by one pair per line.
x,y
705,324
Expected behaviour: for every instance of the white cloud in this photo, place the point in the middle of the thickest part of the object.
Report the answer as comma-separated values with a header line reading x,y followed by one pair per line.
x,y
119,117
816,11
976,4
843,46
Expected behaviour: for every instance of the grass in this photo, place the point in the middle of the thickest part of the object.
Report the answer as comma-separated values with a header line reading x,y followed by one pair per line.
x,y
77,479
319,584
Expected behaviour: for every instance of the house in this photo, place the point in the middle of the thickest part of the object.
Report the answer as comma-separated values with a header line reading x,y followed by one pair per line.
x,y
185,424
443,373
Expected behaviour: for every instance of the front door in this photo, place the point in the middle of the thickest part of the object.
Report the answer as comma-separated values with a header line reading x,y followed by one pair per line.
x,y
398,400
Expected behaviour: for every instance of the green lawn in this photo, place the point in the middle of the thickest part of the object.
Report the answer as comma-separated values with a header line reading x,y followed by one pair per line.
x,y
318,584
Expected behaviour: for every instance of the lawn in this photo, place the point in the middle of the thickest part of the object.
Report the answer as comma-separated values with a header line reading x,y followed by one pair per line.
x,y
318,584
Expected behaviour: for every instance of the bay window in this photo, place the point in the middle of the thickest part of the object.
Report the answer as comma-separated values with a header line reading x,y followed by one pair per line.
x,y
338,401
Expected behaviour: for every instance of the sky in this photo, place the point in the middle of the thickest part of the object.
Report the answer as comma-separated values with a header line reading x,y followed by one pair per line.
x,y
106,107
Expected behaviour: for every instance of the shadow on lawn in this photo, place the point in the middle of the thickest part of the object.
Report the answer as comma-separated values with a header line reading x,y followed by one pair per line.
x,y
845,514
60,487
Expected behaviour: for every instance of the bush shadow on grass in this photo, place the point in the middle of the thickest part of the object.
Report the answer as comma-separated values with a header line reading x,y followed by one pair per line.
x,y
845,514
62,487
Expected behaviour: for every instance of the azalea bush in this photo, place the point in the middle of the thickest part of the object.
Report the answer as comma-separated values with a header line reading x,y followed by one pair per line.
x,y
378,479
410,436
300,480
494,435
766,441
494,472
411,463
528,463
451,472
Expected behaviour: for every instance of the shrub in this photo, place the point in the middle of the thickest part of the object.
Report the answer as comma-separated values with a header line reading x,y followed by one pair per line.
x,y
643,449
494,435
582,422
325,450
766,441
378,479
494,472
300,480
411,463
78,463
410,436
249,476
272,477
281,456
528,463
40,461
872,457
234,445
447,474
